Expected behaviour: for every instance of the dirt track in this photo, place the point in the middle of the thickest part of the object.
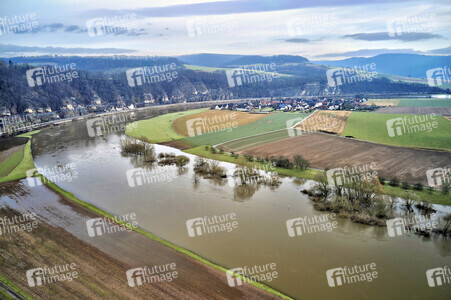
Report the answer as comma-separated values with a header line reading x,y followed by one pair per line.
x,y
102,261
327,151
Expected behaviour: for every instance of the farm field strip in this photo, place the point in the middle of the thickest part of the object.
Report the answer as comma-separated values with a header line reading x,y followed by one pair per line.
x,y
407,164
159,129
243,143
425,103
272,122
373,127
330,121
444,111
214,119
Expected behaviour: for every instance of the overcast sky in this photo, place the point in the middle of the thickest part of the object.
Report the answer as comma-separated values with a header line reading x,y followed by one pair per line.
x,y
316,29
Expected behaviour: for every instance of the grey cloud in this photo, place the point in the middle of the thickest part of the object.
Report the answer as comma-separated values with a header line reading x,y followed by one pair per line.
x,y
405,37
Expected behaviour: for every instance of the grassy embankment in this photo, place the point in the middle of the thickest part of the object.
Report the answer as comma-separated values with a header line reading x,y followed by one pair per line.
x,y
373,127
27,163
19,167
17,164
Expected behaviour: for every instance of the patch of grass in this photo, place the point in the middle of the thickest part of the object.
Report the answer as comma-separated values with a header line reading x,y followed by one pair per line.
x,y
14,288
26,163
275,121
383,102
435,196
11,162
425,102
373,127
159,129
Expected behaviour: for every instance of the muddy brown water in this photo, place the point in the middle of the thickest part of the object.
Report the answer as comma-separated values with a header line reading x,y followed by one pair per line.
x,y
164,206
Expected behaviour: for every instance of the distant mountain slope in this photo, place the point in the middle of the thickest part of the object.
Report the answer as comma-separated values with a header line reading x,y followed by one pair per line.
x,y
412,65
225,60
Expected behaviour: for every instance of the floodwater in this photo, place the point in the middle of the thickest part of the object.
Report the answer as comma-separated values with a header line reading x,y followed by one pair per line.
x,y
98,175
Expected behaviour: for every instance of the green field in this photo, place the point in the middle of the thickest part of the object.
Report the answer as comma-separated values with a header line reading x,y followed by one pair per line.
x,y
25,164
159,129
272,122
425,103
255,140
11,162
373,127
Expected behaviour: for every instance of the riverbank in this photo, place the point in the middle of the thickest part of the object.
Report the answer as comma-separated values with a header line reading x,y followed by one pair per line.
x,y
204,283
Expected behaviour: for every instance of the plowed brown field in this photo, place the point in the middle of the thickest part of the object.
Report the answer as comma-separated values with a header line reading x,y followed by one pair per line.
x,y
326,151
217,118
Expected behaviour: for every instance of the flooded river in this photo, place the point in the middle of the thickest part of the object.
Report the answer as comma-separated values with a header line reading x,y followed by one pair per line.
x,y
164,206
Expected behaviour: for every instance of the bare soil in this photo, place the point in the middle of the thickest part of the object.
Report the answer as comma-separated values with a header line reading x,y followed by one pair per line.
x,y
217,118
327,121
327,151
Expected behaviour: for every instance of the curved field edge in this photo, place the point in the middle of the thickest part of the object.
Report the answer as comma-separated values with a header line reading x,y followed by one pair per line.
x,y
99,211
372,127
25,164
159,129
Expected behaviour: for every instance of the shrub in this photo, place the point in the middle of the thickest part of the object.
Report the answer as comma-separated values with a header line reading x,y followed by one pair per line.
x,y
300,162
381,180
394,182
405,186
181,160
418,187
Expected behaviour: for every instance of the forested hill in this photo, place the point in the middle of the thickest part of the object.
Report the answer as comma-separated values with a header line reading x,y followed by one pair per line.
x,y
113,88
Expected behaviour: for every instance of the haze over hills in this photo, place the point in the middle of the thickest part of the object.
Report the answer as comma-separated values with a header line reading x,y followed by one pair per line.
x,y
395,64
